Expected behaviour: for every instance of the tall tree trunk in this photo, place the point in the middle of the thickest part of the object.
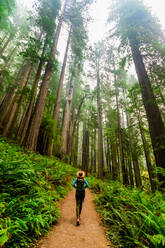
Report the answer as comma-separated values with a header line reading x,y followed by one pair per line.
x,y
85,150
106,153
134,156
60,86
2,98
108,157
152,177
76,145
65,125
8,59
130,169
5,104
156,126
17,97
123,166
115,163
3,39
91,154
24,127
9,96
5,45
71,138
33,130
4,65
19,105
59,93
100,135
73,126
22,121
83,147
136,170
94,154
135,162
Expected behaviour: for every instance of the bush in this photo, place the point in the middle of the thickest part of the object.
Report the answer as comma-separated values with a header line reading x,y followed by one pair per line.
x,y
31,186
133,218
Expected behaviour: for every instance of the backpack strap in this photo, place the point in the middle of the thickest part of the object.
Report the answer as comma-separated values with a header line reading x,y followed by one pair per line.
x,y
81,178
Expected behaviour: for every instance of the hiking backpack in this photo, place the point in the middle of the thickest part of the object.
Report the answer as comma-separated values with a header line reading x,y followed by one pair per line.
x,y
80,183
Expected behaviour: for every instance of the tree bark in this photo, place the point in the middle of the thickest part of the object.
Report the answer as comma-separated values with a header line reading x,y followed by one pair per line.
x,y
4,65
135,162
8,99
16,99
19,105
109,155
152,177
85,150
134,156
100,135
156,126
22,121
130,170
115,164
71,137
91,154
24,126
66,119
59,93
60,86
76,145
123,166
72,128
33,130
8,59
94,144
5,45
3,39
136,171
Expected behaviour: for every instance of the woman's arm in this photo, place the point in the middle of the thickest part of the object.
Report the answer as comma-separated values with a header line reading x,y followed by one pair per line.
x,y
86,184
73,184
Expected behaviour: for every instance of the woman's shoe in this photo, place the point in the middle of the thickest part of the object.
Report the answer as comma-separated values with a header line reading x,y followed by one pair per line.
x,y
78,222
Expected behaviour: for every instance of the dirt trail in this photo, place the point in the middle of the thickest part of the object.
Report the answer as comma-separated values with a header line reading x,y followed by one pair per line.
x,y
66,234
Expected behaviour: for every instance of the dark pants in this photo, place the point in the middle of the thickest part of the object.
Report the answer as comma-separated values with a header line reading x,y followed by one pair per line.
x,y
80,195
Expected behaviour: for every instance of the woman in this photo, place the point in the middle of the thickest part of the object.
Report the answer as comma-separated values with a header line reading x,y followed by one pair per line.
x,y
80,184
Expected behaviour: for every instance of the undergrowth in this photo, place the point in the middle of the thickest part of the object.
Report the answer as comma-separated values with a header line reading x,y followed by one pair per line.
x,y
30,187
133,218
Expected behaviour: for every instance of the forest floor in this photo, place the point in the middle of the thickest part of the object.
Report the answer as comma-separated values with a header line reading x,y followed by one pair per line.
x,y
66,234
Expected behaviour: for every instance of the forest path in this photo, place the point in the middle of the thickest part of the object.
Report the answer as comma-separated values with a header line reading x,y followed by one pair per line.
x,y
66,234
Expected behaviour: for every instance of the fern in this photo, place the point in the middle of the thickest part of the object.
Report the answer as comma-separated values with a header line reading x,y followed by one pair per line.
x,y
135,218
31,186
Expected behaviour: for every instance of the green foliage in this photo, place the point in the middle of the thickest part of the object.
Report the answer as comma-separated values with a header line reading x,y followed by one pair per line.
x,y
134,21
78,36
48,11
133,218
6,8
31,186
48,125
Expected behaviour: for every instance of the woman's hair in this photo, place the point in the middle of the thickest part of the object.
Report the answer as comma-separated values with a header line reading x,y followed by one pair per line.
x,y
80,174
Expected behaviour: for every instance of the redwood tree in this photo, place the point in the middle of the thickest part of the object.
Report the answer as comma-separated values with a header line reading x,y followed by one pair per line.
x,y
138,30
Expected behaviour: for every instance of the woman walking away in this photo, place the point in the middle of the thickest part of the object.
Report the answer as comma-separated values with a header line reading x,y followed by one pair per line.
x,y
80,184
